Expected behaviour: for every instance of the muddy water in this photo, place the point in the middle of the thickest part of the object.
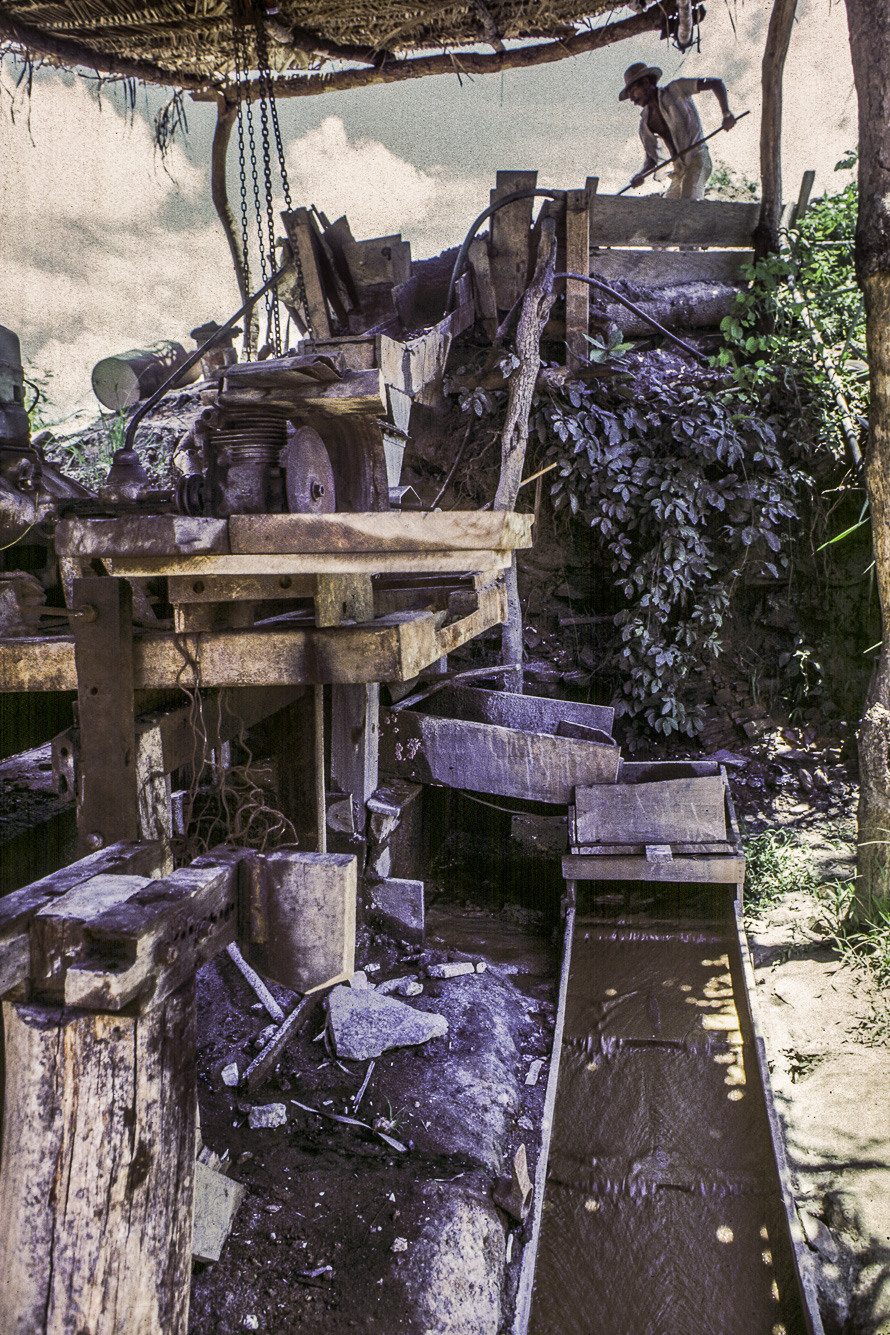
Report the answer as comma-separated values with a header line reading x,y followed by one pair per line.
x,y
662,1214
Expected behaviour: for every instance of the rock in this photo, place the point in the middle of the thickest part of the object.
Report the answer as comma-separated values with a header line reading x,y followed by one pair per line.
x,y
514,1193
481,966
358,981
366,1024
217,1199
534,1072
265,1036
251,1322
454,1270
229,1075
398,905
267,1115
400,1245
819,1237
456,970
409,986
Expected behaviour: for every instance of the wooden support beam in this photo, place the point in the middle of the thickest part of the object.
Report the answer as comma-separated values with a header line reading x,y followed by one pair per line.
x,y
98,1166
355,739
577,261
710,869
313,310
103,651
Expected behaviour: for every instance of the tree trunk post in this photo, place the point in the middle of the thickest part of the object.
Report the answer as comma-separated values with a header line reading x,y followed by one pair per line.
x,y
97,1169
869,26
535,311
766,233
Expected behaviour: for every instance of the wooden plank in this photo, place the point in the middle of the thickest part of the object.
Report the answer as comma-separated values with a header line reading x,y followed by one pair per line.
x,y
639,850
341,599
510,237
382,259
103,653
299,233
420,531
526,713
668,268
711,869
287,563
688,810
644,771
577,297
487,759
301,910
57,929
357,392
483,287
622,221
249,588
355,739
150,535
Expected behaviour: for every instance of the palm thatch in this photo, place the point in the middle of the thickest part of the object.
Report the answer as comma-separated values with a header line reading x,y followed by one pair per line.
x,y
189,43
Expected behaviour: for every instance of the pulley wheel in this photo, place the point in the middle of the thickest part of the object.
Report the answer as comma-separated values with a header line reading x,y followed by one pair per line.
x,y
309,477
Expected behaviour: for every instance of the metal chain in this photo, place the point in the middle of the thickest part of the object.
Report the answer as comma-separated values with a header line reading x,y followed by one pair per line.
x,y
240,79
268,96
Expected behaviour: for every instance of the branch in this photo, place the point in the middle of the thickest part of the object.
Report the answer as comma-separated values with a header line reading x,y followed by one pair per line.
x,y
75,53
463,62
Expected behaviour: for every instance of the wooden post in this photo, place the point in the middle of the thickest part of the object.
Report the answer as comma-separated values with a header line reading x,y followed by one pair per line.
x,y
98,1164
510,236
103,651
766,233
578,261
355,737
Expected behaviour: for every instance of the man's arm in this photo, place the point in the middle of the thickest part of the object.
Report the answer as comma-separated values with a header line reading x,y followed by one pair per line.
x,y
718,88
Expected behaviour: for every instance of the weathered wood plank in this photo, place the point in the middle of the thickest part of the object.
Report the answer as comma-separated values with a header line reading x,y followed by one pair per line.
x,y
231,588
510,237
142,535
712,869
104,1105
668,268
487,759
483,287
526,713
578,204
357,392
355,735
301,563
103,652
299,233
621,221
686,810
301,917
422,531
57,929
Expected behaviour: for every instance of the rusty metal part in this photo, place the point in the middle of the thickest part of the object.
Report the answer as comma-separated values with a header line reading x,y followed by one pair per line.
x,y
309,475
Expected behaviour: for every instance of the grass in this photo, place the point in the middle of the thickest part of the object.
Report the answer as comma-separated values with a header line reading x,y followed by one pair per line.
x,y
778,863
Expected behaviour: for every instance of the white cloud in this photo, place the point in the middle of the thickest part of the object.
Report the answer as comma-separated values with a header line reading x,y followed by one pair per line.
x,y
93,263
379,192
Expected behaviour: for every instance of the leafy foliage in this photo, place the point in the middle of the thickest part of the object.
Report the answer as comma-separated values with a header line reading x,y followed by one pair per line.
x,y
684,488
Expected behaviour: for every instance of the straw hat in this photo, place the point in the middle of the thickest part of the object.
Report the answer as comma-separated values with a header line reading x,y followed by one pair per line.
x,y
634,73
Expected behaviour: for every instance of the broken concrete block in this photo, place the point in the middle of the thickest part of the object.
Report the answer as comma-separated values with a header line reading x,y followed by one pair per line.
x,y
398,906
365,1024
457,970
267,1115
514,1193
217,1199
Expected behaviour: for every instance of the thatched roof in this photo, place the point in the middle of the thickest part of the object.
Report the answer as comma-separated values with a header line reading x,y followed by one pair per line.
x,y
189,42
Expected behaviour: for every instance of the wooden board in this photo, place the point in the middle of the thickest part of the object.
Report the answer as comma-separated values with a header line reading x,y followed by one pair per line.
x,y
421,531
304,563
510,237
667,268
710,869
150,535
525,713
360,392
577,216
486,759
687,810
622,221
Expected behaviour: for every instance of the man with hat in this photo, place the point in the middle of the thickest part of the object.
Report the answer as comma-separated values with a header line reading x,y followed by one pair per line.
x,y
669,114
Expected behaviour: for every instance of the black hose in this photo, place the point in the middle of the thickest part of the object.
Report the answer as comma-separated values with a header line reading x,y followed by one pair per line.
x,y
486,213
146,407
604,287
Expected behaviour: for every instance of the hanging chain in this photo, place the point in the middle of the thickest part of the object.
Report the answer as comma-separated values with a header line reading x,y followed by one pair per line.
x,y
263,201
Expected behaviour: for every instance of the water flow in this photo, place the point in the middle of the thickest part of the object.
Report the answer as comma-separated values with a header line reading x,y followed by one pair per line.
x,y
662,1214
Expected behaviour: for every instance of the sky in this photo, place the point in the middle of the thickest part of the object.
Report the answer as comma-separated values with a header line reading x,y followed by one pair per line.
x,y
105,247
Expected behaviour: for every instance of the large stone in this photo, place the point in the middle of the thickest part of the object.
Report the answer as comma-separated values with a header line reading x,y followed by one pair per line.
x,y
398,906
454,1267
365,1024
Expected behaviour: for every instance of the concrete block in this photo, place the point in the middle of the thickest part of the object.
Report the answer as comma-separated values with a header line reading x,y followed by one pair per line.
x,y
300,917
